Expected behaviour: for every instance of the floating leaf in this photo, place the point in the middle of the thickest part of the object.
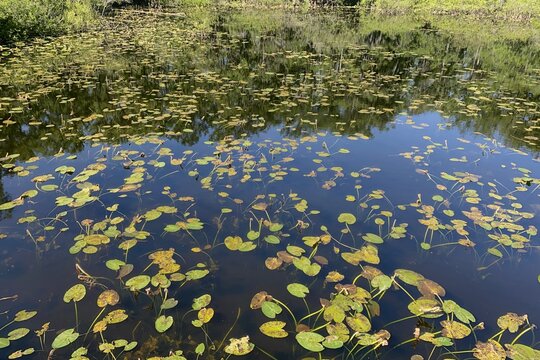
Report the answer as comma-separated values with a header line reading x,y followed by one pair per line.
x,y
75,293
347,218
310,341
24,315
373,238
65,338
138,282
274,329
201,302
522,352
359,323
490,350
270,309
239,347
17,334
163,323
298,290
511,322
108,297
454,329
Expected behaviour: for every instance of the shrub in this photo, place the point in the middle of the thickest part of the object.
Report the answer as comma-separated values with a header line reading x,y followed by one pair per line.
x,y
23,19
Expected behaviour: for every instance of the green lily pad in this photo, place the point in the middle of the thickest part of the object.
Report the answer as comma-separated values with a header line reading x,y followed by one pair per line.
x,y
522,352
163,323
201,302
138,282
17,334
233,243
270,309
196,274
274,329
347,218
65,338
358,323
24,315
298,290
75,293
310,341
373,238
408,276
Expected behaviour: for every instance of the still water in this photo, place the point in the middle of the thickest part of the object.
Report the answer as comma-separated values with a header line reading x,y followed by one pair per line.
x,y
269,185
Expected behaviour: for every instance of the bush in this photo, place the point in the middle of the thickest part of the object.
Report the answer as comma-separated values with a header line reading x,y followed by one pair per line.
x,y
23,19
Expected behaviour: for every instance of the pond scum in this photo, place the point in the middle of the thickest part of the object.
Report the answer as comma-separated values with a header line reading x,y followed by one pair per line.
x,y
158,165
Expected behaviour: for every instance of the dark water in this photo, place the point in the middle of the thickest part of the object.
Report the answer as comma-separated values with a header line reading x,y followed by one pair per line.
x,y
240,118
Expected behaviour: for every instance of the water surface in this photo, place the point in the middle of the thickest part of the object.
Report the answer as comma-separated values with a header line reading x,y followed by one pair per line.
x,y
233,152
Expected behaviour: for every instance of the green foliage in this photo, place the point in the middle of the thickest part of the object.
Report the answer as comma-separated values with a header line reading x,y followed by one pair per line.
x,y
516,9
23,19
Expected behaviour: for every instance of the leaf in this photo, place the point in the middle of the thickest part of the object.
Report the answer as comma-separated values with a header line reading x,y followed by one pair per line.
x,y
17,334
454,330
163,323
463,315
522,352
430,288
196,274
428,308
4,343
359,323
274,329
347,218
205,315
495,252
298,290
310,341
169,304
270,309
239,347
381,282
108,297
65,338
332,342
490,350
24,315
116,316
201,302
75,293
408,276
373,238
114,264
199,350
233,243
511,322
138,282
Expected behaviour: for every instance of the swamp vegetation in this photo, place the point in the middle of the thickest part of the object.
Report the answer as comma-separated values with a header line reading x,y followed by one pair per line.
x,y
271,184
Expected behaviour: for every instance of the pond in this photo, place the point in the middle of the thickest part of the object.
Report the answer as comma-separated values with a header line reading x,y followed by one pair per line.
x,y
273,185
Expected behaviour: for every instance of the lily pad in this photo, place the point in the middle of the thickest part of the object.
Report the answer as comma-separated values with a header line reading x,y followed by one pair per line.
x,y
298,290
65,338
310,341
274,329
347,218
163,323
239,347
75,293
